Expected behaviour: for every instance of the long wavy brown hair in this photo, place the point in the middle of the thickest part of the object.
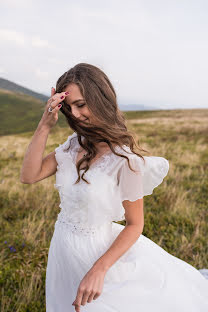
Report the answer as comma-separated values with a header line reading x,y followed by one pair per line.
x,y
100,98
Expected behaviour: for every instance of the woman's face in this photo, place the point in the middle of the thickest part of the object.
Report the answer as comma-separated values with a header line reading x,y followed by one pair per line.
x,y
77,103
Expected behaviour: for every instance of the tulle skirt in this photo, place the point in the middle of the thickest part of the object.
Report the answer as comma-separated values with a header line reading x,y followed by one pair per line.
x,y
144,279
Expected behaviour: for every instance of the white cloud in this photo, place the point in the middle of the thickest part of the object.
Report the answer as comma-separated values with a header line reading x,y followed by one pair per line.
x,y
21,39
2,70
12,36
40,74
39,43
17,3
154,52
55,61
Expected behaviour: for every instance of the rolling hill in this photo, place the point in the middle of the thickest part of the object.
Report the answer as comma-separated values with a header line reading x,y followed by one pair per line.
x,y
21,109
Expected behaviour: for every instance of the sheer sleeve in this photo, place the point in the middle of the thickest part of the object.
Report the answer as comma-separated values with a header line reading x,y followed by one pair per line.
x,y
150,174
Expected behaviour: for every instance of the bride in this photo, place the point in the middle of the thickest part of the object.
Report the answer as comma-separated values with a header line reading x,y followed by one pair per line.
x,y
94,263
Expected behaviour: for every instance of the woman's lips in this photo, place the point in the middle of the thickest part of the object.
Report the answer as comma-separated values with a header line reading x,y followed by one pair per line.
x,y
84,119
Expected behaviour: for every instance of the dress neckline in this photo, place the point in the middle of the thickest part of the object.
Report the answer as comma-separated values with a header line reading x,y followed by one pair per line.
x,y
95,162
76,146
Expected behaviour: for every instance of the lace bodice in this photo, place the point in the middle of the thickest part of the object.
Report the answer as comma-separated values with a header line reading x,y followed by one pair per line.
x,y
88,206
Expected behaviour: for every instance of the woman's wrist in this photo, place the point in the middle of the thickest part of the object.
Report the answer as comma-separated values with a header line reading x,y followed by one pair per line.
x,y
100,266
43,128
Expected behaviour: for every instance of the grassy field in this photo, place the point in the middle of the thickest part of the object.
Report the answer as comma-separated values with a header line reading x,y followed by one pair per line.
x,y
176,214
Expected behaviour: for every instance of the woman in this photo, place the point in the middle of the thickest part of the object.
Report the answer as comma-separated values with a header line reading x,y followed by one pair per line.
x,y
95,264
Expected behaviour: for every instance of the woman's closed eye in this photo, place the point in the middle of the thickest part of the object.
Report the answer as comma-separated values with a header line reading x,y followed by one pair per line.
x,y
81,105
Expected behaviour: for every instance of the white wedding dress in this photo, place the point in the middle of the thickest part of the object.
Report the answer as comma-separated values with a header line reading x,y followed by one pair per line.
x,y
144,279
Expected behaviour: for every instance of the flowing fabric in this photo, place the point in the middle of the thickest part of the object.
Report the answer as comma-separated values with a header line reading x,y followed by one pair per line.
x,y
145,278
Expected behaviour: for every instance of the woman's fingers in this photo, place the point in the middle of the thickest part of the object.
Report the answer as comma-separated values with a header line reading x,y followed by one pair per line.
x,y
56,99
54,95
53,91
56,109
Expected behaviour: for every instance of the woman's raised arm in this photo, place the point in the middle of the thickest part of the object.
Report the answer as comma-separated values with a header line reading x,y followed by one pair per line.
x,y
34,167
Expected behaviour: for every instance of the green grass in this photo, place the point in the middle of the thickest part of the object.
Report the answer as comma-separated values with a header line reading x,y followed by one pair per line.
x,y
176,214
20,113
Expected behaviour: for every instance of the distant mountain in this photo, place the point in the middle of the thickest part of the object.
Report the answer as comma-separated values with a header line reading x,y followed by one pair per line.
x,y
21,109
19,112
9,85
136,107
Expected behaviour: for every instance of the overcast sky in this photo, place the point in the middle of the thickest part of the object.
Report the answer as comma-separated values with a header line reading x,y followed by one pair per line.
x,y
155,52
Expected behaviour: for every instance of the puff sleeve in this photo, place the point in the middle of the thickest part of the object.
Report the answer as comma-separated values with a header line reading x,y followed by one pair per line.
x,y
150,174
60,155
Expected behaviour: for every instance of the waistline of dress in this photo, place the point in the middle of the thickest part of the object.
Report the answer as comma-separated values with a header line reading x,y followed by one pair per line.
x,y
84,229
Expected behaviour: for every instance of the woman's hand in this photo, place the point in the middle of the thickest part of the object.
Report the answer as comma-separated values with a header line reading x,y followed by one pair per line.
x,y
90,287
49,119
